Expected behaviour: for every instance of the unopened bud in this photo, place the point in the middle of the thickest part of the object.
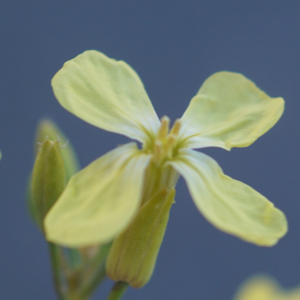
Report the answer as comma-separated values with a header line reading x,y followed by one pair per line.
x,y
47,181
47,129
133,254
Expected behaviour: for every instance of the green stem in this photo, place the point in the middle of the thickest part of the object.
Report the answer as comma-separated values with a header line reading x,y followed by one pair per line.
x,y
96,273
74,296
117,290
53,249
65,280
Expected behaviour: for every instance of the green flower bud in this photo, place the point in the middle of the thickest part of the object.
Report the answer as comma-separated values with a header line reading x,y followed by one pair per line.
x,y
48,129
47,181
133,253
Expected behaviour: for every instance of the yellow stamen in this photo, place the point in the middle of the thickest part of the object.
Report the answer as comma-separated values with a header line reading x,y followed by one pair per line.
x,y
164,128
176,127
157,155
165,140
170,144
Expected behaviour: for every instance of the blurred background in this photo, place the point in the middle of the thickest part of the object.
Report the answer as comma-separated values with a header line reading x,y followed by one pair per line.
x,y
174,46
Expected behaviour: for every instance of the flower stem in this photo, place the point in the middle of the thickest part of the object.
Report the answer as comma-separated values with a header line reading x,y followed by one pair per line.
x,y
117,290
53,249
95,272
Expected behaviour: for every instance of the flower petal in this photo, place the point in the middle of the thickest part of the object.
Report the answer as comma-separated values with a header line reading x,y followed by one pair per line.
x,y
265,288
106,93
261,288
229,111
100,200
228,204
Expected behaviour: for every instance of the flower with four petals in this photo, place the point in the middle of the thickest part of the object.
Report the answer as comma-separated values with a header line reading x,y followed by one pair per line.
x,y
100,201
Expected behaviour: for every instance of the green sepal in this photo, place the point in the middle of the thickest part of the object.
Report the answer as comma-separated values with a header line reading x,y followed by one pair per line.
x,y
29,204
133,254
48,129
48,180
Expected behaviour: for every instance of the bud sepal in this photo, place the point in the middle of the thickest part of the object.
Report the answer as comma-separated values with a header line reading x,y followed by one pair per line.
x,y
133,254
47,181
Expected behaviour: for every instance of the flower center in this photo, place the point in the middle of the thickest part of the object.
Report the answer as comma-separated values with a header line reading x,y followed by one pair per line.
x,y
165,141
163,147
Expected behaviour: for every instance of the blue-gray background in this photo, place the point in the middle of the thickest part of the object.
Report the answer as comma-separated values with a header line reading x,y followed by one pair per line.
x,y
174,46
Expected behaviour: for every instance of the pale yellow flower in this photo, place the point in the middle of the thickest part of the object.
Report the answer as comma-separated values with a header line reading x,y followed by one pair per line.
x,y
101,200
265,288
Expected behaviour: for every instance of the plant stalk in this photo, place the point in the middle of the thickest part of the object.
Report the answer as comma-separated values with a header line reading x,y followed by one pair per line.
x,y
117,290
